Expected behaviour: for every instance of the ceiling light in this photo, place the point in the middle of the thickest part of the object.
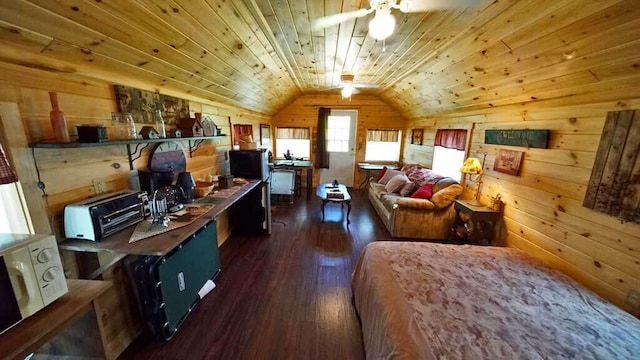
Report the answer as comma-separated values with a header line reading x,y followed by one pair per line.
x,y
382,25
347,91
568,54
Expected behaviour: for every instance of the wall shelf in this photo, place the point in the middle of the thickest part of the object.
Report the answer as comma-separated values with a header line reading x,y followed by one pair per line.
x,y
194,144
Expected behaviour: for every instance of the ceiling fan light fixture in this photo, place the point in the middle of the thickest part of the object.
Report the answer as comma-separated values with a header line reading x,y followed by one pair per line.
x,y
382,25
347,91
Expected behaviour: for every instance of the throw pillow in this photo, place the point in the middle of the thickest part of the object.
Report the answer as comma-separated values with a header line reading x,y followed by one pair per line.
x,y
407,188
424,192
388,175
384,170
396,183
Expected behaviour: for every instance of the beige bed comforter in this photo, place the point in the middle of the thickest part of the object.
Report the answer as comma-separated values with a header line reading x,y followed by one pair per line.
x,y
435,301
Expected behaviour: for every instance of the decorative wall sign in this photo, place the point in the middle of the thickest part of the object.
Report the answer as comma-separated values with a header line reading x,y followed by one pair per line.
x,y
508,161
614,186
416,136
525,138
142,104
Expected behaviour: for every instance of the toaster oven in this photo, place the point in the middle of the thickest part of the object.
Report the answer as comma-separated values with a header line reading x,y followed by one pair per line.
x,y
98,217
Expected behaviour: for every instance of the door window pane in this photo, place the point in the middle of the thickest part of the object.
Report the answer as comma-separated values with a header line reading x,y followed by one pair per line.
x,y
338,133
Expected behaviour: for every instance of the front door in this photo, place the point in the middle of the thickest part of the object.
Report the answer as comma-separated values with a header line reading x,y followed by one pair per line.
x,y
341,138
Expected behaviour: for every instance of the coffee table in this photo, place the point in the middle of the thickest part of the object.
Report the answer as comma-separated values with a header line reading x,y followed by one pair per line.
x,y
329,193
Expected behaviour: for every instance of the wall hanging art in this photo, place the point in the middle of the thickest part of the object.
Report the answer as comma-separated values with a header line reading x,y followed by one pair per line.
x,y
508,161
416,136
142,104
614,186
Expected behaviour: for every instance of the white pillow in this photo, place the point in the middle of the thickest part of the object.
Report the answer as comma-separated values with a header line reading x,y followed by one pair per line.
x,y
407,189
396,183
388,175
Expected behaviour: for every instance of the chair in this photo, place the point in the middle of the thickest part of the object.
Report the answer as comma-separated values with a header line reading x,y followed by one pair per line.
x,y
283,184
298,180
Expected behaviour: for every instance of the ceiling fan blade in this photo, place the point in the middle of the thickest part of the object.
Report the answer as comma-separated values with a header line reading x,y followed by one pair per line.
x,y
430,5
335,19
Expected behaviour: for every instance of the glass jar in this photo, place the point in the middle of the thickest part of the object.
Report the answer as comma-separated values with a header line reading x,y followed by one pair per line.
x,y
124,126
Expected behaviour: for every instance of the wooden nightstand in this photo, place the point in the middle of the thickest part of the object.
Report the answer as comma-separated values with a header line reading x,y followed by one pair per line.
x,y
474,224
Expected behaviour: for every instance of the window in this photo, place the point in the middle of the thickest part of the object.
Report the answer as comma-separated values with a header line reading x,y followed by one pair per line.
x,y
447,162
13,218
338,133
382,145
448,154
294,140
13,215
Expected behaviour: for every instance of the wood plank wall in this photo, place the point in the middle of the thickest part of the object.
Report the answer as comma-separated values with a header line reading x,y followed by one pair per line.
x,y
372,113
68,173
543,212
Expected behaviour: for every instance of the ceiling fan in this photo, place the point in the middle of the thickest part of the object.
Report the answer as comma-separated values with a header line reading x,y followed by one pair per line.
x,y
383,23
349,87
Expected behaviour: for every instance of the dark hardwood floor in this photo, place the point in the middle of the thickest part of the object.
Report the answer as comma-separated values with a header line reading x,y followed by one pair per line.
x,y
284,296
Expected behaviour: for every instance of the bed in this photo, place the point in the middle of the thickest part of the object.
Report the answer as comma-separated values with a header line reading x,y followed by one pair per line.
x,y
438,301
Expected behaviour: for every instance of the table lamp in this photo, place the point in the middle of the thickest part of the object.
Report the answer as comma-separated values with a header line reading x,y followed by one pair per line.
x,y
472,166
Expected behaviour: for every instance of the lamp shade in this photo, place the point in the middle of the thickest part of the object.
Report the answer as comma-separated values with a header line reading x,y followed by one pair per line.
x,y
471,166
382,25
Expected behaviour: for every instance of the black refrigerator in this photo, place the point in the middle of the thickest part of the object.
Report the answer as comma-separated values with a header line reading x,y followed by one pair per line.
x,y
253,164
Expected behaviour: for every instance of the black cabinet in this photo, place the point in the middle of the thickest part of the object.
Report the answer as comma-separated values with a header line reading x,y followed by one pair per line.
x,y
474,224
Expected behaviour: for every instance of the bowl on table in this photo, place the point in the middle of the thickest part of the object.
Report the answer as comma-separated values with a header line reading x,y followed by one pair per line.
x,y
203,188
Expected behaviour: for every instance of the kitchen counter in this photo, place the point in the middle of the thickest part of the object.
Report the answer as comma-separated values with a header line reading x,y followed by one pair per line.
x,y
161,244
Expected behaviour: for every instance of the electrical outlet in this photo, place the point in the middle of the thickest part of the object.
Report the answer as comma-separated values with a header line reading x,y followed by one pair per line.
x,y
633,299
99,185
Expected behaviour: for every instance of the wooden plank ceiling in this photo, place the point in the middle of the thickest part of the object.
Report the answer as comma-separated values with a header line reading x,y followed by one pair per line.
x,y
263,54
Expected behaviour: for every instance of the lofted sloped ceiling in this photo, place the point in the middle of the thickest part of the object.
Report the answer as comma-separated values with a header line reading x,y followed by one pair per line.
x,y
263,54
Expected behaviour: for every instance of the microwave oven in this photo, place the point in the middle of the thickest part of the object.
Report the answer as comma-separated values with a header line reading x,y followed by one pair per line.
x,y
31,276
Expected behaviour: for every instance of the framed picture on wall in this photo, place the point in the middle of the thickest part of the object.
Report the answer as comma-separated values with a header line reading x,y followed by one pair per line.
x,y
508,161
416,136
265,135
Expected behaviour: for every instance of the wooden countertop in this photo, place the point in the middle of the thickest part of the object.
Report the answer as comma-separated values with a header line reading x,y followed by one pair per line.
x,y
158,245
33,332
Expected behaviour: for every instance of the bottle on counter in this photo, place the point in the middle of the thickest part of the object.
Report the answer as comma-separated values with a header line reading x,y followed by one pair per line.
x,y
160,125
58,121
